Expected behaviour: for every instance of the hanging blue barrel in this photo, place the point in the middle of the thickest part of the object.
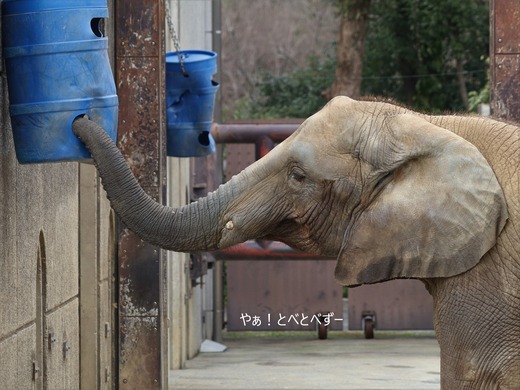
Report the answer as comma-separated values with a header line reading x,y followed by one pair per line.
x,y
57,69
190,98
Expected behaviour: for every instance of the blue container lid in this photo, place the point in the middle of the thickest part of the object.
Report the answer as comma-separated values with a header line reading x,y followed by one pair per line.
x,y
10,7
194,60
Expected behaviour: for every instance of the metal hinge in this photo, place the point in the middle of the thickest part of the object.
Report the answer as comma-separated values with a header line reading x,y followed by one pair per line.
x,y
35,370
51,340
66,349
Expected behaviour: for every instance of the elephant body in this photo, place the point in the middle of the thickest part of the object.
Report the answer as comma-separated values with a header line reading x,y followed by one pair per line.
x,y
480,349
391,194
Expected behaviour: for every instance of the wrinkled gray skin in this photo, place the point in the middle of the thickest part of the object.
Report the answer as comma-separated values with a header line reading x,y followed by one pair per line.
x,y
390,193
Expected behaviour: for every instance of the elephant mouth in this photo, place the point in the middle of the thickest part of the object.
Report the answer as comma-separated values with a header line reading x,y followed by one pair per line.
x,y
297,238
237,230
230,235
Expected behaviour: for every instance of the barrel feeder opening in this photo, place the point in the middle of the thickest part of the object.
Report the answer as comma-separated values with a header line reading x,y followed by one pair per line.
x,y
190,99
57,69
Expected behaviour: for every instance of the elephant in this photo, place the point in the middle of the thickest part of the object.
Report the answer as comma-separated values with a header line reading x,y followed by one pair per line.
x,y
390,193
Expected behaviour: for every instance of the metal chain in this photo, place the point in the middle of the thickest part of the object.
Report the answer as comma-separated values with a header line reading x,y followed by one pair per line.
x,y
175,39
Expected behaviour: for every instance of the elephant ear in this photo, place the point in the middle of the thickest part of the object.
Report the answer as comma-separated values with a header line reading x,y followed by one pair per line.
x,y
439,208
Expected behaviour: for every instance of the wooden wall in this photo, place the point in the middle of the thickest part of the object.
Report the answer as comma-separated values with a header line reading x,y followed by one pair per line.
x,y
56,278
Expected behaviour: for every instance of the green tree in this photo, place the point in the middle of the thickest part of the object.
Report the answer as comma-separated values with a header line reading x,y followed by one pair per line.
x,y
350,50
295,95
427,53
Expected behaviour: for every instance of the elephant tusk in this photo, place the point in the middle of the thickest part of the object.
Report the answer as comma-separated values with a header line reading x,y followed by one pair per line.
x,y
230,225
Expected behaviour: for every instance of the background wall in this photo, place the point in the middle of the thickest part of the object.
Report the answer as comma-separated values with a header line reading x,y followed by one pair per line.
x,y
39,270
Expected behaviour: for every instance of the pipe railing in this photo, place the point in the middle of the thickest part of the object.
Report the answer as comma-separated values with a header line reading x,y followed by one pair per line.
x,y
263,134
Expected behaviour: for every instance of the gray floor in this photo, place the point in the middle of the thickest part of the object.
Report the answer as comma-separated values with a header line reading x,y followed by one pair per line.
x,y
298,360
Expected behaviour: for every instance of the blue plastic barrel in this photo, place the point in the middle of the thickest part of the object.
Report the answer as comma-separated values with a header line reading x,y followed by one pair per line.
x,y
57,69
190,99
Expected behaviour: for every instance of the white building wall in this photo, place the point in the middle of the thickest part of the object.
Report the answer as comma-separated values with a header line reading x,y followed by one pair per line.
x,y
192,24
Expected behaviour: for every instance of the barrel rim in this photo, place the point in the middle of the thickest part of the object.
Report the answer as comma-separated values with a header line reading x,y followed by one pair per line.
x,y
173,58
63,105
52,48
12,7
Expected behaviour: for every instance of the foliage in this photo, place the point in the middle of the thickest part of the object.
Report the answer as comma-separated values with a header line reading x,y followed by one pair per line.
x,y
272,37
478,97
347,6
294,95
475,98
416,48
417,52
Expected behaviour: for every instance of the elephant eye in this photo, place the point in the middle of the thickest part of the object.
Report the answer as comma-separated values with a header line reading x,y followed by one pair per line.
x,y
297,175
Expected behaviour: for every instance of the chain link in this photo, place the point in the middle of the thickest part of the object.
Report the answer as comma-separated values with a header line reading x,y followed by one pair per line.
x,y
175,39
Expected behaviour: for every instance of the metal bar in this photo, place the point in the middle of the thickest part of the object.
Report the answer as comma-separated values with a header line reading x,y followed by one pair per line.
x,y
263,146
140,80
505,59
263,250
218,267
240,133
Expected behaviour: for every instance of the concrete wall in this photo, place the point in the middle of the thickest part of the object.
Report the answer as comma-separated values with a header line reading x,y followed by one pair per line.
x,y
56,251
188,306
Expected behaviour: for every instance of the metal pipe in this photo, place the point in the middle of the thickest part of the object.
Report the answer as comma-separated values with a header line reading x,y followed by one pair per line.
x,y
263,250
218,267
263,146
241,133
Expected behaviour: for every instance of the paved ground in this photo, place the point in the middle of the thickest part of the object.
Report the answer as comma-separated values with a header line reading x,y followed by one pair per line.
x,y
298,360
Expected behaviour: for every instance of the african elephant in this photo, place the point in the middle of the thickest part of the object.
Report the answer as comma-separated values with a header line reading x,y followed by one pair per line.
x,y
390,193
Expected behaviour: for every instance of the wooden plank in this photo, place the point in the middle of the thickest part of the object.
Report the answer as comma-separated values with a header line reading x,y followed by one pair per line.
x,y
17,354
88,252
25,359
60,221
105,336
29,216
8,260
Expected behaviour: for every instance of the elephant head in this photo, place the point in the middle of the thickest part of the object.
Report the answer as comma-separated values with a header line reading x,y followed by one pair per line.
x,y
383,189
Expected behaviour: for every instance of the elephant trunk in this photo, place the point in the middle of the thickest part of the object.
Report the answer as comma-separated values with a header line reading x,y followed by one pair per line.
x,y
195,227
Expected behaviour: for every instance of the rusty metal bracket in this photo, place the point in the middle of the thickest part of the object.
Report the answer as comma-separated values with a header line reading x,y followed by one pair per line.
x,y
505,59
263,134
199,266
140,80
66,348
51,340
35,370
